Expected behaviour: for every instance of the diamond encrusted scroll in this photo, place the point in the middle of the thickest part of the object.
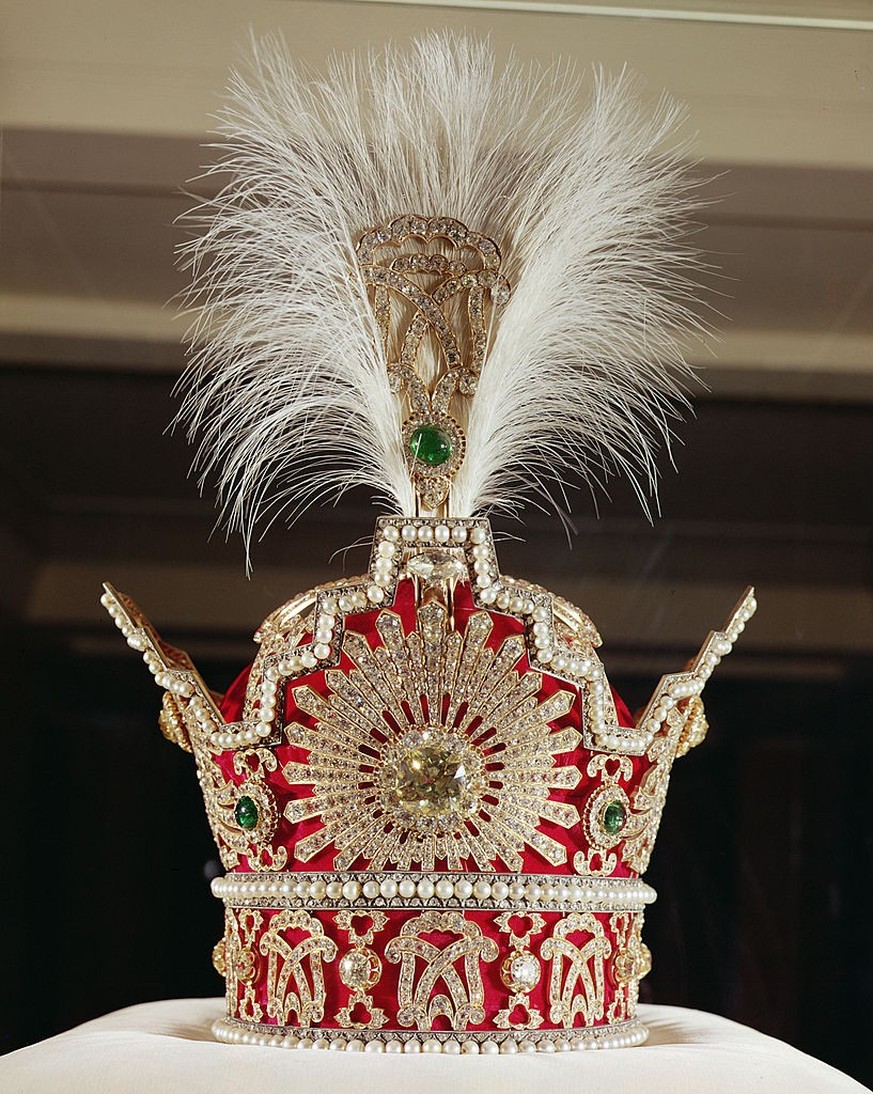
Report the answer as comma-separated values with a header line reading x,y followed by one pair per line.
x,y
433,282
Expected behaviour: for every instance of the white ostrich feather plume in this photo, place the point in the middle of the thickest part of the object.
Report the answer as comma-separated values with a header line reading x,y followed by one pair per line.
x,y
586,192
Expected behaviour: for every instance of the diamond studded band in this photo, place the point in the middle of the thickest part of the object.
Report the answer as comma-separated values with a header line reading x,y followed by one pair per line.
x,y
620,1035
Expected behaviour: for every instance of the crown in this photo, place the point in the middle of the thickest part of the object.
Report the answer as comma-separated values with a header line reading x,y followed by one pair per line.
x,y
432,809
433,812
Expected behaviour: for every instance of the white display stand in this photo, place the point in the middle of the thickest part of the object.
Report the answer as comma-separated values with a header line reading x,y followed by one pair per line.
x,y
168,1047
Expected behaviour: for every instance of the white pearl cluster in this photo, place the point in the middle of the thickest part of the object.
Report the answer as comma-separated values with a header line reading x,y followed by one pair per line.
x,y
180,682
612,893
622,1036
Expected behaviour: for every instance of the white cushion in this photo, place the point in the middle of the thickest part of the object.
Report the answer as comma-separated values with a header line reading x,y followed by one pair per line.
x,y
167,1046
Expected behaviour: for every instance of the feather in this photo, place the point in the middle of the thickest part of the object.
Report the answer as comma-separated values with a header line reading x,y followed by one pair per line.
x,y
287,392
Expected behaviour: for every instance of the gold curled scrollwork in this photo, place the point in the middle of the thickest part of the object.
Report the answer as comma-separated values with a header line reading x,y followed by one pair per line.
x,y
599,860
632,962
241,963
286,961
581,989
648,799
222,799
464,1003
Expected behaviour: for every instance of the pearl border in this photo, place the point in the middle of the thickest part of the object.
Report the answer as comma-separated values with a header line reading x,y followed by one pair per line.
x,y
328,891
476,1042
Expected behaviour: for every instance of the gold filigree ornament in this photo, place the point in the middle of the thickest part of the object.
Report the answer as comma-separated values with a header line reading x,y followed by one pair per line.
x,y
580,989
520,972
360,969
607,816
433,283
418,1006
432,748
242,962
244,816
287,961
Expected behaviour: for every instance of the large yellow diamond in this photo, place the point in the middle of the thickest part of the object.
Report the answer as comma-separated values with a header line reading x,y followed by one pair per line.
x,y
431,779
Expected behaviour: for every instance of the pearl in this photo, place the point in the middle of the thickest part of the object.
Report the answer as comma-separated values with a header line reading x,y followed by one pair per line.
x,y
478,534
394,1046
470,1048
371,889
407,888
482,889
425,888
318,889
388,888
375,594
351,890
387,551
335,890
441,533
412,1046
432,1046
390,533
444,889
451,1048
408,533
425,534
321,651
463,889
508,1048
374,1046
499,890
459,533
488,1048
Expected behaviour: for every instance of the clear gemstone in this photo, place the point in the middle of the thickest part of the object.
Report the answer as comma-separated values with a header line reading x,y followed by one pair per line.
x,y
522,972
436,564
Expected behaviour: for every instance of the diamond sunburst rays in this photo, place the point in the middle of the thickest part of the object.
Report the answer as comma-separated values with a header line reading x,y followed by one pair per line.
x,y
432,748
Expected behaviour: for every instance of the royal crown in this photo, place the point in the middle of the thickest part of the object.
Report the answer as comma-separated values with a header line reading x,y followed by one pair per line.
x,y
432,809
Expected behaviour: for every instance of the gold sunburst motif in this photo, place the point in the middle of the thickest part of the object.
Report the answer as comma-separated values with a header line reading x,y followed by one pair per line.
x,y
433,748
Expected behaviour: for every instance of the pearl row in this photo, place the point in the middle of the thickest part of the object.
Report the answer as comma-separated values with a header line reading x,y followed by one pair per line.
x,y
625,1035
683,685
180,682
388,890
